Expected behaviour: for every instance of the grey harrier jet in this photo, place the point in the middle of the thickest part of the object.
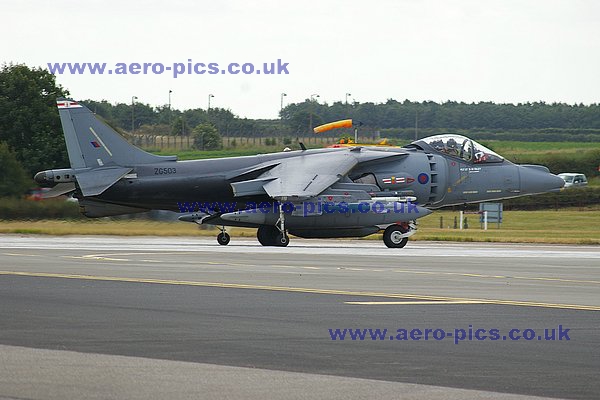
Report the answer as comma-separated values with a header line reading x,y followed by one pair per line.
x,y
320,193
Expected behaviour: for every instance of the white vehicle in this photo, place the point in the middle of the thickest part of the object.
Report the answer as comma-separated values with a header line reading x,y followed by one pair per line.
x,y
573,179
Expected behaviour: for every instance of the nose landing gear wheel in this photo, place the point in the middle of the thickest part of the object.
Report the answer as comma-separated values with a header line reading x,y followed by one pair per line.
x,y
392,237
223,238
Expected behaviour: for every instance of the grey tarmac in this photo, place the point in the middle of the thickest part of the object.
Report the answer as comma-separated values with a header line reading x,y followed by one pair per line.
x,y
135,316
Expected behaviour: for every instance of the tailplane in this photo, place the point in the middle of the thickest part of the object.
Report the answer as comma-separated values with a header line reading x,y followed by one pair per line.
x,y
93,144
99,156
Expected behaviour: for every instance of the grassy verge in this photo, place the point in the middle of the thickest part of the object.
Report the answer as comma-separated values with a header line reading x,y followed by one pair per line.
x,y
105,227
566,227
516,147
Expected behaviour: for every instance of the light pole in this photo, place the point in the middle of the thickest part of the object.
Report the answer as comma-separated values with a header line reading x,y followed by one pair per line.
x,y
416,124
310,119
281,107
170,91
133,98
209,97
281,110
347,94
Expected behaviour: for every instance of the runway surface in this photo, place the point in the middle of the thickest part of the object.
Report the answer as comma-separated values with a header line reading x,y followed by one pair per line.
x,y
139,315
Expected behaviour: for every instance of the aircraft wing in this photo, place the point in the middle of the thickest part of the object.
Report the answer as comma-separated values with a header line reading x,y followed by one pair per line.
x,y
306,176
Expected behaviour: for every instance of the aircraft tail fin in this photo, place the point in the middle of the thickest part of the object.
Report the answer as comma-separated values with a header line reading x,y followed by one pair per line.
x,y
93,144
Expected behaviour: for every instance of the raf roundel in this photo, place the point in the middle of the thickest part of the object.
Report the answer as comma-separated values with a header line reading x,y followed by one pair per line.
x,y
423,178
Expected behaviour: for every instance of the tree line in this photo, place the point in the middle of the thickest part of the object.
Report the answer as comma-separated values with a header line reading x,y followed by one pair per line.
x,y
402,118
393,117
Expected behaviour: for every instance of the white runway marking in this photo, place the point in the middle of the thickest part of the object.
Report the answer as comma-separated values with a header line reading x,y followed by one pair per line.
x,y
299,246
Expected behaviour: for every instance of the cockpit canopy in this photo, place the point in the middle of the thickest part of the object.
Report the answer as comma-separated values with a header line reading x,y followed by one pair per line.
x,y
461,147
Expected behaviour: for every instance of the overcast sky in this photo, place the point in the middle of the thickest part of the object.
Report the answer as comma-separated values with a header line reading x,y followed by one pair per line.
x,y
463,50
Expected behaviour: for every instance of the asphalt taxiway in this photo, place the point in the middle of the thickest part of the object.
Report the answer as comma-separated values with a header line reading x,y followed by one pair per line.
x,y
108,316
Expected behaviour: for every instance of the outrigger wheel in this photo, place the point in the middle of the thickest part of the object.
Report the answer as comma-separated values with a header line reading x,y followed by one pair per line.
x,y
392,236
223,238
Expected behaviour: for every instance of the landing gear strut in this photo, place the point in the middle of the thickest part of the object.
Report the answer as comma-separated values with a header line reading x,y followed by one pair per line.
x,y
223,238
268,235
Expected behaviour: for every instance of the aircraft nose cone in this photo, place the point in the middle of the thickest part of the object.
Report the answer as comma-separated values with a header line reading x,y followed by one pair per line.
x,y
538,179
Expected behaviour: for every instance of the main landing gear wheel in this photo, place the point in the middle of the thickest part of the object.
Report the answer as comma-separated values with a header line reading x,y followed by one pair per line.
x,y
223,238
271,236
392,236
266,235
